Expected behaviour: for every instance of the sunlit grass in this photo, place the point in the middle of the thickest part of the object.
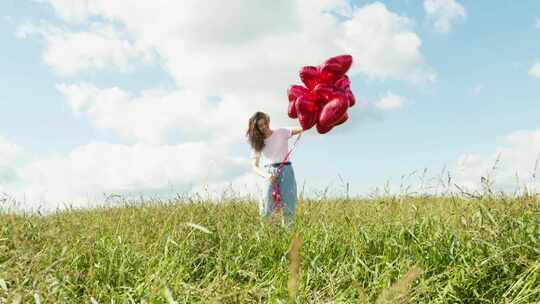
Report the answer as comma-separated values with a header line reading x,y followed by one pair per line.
x,y
384,250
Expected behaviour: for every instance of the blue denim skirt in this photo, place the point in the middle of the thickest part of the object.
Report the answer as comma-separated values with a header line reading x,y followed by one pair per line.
x,y
287,192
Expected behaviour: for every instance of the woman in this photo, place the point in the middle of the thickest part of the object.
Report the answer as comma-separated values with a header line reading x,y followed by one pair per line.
x,y
268,149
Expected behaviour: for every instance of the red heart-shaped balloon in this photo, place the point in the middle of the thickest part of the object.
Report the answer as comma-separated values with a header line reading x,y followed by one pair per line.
x,y
295,91
324,91
350,97
291,111
344,62
322,130
342,119
330,72
306,109
307,102
343,82
333,110
307,120
310,76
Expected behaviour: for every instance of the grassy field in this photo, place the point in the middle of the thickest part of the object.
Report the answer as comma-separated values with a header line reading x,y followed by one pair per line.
x,y
382,250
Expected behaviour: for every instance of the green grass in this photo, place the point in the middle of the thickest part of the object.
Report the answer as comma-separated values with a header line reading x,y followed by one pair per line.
x,y
383,250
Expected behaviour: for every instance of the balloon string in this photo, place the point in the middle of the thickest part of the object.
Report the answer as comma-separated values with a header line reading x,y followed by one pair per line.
x,y
275,194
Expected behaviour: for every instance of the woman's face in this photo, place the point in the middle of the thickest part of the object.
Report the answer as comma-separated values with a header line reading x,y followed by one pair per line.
x,y
264,125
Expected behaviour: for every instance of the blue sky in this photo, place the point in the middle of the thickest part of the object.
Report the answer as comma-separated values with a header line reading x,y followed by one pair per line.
x,y
101,98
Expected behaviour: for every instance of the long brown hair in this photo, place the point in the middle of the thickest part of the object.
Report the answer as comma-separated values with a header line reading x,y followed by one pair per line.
x,y
253,133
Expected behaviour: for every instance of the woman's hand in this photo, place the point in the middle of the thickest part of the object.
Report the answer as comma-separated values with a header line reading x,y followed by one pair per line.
x,y
296,131
272,179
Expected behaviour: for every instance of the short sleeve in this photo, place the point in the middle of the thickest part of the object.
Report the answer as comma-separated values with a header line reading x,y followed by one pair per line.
x,y
288,132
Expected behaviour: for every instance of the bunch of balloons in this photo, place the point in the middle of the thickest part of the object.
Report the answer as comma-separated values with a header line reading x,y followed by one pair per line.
x,y
324,100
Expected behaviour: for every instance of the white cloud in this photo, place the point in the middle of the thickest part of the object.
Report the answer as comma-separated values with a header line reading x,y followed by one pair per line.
x,y
390,101
91,170
384,45
538,23
156,115
517,157
443,13
240,46
101,47
78,96
535,70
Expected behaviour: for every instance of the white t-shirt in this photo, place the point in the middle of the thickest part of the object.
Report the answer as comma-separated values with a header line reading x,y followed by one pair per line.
x,y
275,147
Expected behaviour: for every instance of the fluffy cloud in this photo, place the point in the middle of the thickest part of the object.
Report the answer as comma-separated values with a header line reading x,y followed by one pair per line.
x,y
384,45
91,171
510,166
390,101
243,46
103,46
535,70
156,115
443,13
